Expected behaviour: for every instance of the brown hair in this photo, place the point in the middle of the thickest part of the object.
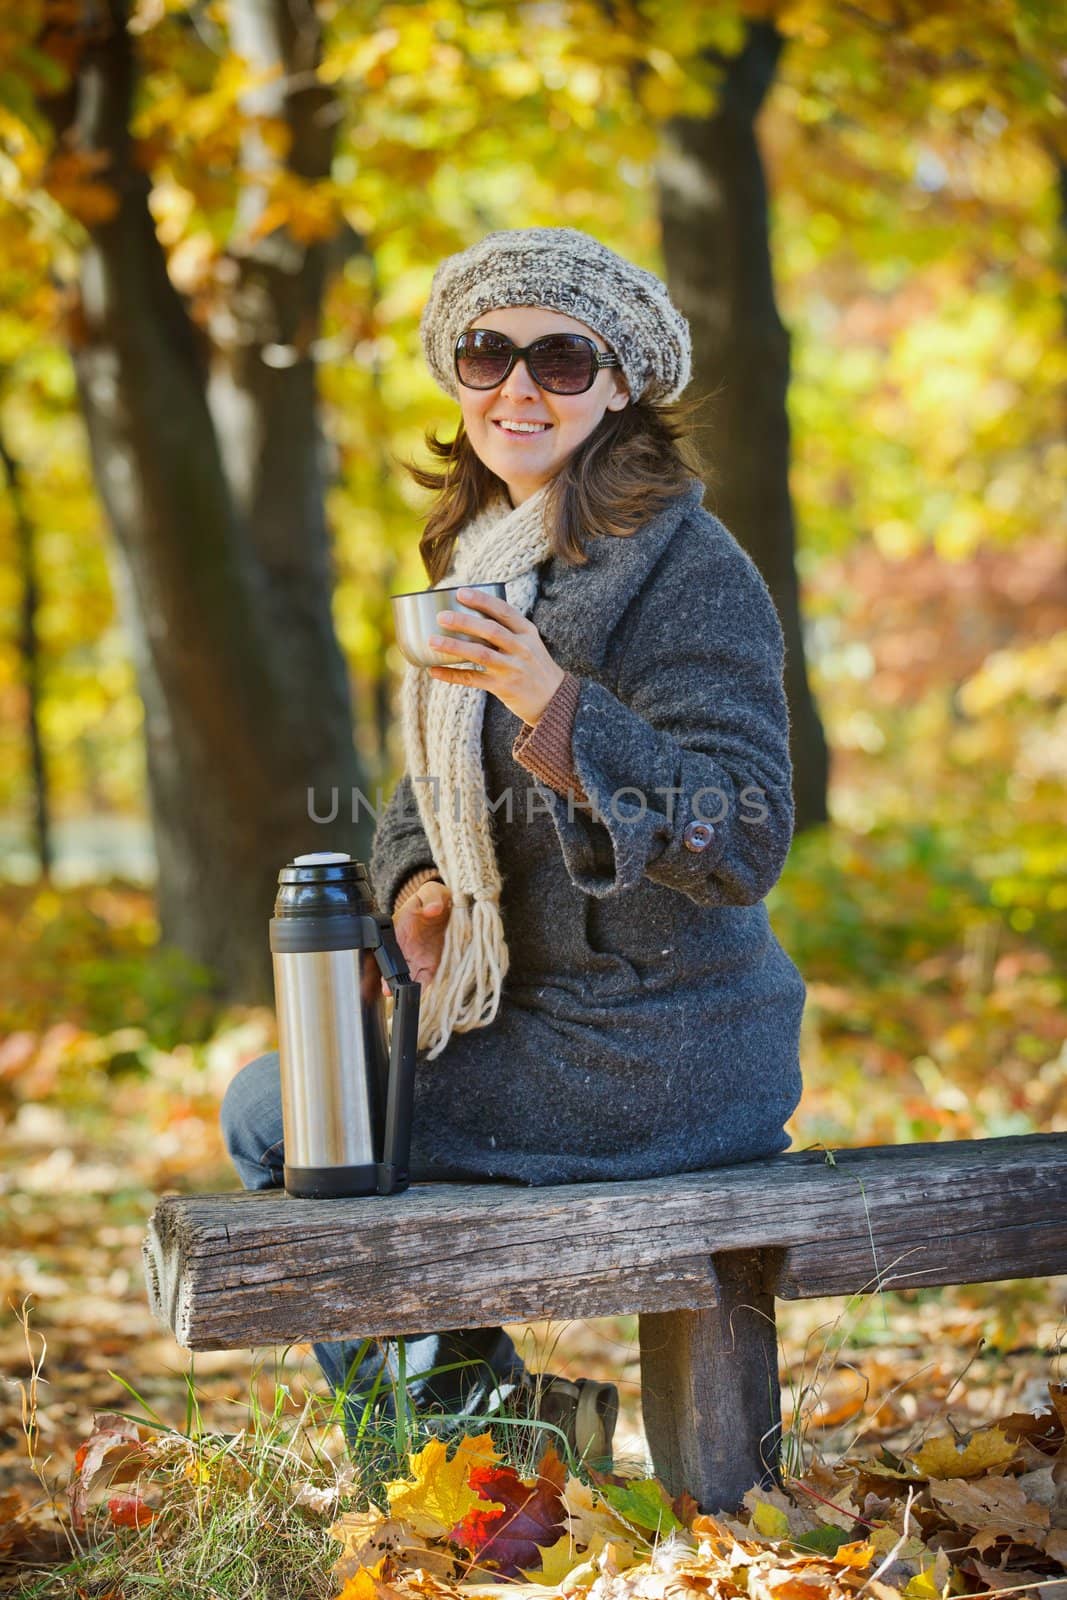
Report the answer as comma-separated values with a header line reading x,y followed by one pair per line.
x,y
632,464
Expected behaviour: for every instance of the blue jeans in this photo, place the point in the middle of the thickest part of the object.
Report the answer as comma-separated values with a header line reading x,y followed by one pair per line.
x,y
252,1128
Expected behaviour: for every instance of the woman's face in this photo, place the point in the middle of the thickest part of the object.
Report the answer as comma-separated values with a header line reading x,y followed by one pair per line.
x,y
527,460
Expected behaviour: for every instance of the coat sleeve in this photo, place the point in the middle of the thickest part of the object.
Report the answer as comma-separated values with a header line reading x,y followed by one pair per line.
x,y
400,845
687,765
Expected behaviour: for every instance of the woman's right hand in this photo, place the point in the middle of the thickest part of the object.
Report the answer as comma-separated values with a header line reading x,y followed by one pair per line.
x,y
420,926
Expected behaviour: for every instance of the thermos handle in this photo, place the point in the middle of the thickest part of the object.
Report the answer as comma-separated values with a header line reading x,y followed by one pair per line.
x,y
393,1167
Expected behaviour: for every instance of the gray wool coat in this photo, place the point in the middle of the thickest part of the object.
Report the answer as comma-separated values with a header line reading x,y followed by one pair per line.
x,y
650,1019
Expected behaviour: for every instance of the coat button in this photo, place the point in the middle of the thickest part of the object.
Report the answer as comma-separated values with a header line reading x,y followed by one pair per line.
x,y
697,835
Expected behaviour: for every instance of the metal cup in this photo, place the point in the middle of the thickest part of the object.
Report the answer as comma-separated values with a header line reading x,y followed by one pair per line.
x,y
415,615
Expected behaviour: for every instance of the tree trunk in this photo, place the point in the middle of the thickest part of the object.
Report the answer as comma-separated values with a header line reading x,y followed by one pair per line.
x,y
714,215
30,656
208,462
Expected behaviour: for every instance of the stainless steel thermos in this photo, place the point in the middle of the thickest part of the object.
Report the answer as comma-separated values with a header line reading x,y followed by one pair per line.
x,y
346,1093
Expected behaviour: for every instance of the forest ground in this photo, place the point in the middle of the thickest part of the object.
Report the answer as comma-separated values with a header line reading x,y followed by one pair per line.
x,y
927,923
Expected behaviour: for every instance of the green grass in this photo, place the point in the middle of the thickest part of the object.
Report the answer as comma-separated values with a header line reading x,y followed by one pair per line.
x,y
248,1514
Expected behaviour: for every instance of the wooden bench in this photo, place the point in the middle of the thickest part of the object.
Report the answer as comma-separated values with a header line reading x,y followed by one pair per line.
x,y
701,1258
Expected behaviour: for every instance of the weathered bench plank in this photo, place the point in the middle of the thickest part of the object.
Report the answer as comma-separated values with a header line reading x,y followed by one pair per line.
x,y
701,1257
226,1271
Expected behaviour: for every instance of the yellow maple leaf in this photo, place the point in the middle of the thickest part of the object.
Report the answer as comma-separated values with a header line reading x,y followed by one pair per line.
x,y
438,1496
932,1583
364,1585
858,1554
770,1521
369,1535
885,1537
923,1586
943,1458
565,1560
556,1561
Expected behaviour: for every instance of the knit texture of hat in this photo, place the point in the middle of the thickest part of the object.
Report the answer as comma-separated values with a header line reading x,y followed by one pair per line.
x,y
563,270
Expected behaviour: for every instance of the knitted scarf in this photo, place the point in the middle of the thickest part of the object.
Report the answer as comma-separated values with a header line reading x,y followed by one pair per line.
x,y
442,729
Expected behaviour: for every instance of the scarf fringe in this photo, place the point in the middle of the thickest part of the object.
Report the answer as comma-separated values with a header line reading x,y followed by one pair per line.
x,y
474,964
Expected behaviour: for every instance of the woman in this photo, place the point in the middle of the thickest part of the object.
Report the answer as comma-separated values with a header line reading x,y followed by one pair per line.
x,y
577,855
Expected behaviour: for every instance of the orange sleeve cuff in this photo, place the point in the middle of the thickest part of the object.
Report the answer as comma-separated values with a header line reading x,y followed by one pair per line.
x,y
544,747
409,886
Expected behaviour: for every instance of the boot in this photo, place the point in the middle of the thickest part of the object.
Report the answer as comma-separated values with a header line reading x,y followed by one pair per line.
x,y
584,1410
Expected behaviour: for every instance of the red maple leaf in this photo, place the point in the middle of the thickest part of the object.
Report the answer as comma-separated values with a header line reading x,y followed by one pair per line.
x,y
532,1517
129,1511
113,1449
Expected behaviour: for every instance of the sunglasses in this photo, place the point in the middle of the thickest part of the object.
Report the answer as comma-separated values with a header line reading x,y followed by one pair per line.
x,y
561,363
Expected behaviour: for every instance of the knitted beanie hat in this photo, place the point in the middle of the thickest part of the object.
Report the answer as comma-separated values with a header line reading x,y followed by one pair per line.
x,y
563,270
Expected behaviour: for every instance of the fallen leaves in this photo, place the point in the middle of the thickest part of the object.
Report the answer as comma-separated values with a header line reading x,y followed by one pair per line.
x,y
520,1518
644,1504
462,1524
922,1532
992,1499
368,1583
946,1457
130,1511
439,1494
113,1452
458,1511
25,1537
770,1520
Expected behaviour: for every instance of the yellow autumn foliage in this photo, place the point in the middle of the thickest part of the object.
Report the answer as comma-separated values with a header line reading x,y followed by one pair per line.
x,y
437,1495
942,1457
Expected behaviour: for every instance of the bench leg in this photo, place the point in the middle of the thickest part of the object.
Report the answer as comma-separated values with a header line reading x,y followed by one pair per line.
x,y
709,1388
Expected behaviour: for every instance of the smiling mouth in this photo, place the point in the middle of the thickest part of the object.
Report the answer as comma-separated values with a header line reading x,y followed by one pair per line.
x,y
526,432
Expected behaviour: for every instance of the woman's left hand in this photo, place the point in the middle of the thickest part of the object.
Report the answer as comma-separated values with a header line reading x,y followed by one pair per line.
x,y
517,667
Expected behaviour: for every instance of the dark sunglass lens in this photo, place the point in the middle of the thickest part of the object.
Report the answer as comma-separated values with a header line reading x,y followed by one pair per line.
x,y
563,363
482,359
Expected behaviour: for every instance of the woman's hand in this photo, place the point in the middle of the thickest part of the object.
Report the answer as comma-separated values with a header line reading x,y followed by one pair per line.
x,y
517,667
420,926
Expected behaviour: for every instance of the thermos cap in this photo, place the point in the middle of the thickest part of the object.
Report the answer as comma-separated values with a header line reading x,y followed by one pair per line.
x,y
323,883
